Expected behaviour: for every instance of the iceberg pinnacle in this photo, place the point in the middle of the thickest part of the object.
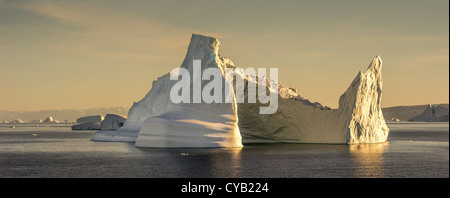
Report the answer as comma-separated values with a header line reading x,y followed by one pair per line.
x,y
194,124
156,121
357,120
367,124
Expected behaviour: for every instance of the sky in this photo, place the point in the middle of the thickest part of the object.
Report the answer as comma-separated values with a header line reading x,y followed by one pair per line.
x,y
105,53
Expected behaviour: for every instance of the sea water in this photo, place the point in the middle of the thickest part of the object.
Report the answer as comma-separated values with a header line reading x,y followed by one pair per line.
x,y
54,150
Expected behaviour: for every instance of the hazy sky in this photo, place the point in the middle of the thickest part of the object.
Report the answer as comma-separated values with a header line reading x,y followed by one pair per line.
x,y
101,53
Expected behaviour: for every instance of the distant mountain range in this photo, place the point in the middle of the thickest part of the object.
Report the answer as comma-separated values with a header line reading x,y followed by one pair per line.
x,y
67,114
402,113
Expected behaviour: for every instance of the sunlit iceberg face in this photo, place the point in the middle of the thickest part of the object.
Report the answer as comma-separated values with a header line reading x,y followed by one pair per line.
x,y
225,87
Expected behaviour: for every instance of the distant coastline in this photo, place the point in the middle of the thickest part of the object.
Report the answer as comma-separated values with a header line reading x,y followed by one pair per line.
x,y
66,114
402,113
405,113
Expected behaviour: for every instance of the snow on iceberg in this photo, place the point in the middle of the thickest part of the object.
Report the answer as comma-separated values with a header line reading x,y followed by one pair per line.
x,y
157,122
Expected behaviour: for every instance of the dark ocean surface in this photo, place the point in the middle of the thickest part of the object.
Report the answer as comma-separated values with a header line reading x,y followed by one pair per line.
x,y
413,150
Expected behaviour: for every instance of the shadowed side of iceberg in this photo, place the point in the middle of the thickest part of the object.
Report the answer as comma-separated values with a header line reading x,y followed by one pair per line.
x,y
357,120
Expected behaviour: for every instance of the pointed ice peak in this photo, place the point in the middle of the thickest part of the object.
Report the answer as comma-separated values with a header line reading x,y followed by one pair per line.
x,y
375,65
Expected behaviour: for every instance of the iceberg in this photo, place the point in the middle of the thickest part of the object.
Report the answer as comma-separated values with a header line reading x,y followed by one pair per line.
x,y
195,124
88,123
156,121
394,119
113,122
432,114
16,121
50,120
87,126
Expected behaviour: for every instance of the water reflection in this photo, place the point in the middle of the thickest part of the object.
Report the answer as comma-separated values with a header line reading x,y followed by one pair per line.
x,y
199,162
230,160
368,159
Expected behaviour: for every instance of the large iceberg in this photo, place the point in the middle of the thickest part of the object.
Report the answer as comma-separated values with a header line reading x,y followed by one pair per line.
x,y
156,121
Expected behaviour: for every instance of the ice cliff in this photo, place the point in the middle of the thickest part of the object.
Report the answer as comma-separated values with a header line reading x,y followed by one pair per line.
x,y
155,121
